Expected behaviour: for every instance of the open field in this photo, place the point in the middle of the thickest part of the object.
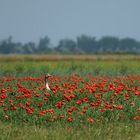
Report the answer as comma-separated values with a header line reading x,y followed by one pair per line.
x,y
55,57
91,97
69,64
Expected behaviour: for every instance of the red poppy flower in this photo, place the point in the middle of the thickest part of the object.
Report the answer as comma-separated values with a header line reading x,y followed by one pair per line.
x,y
90,120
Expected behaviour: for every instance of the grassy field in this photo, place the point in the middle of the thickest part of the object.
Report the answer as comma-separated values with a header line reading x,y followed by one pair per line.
x,y
102,132
92,97
70,64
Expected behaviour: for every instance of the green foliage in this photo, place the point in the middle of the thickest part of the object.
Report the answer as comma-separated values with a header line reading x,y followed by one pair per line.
x,y
23,65
112,131
83,45
110,128
66,46
44,44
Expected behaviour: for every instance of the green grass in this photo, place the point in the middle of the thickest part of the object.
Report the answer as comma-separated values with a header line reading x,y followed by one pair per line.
x,y
101,132
63,67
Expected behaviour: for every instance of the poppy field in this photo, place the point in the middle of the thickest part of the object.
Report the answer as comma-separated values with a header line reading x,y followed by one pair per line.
x,y
72,99
84,94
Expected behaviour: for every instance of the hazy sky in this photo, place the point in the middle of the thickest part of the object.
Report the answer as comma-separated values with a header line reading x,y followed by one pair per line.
x,y
28,20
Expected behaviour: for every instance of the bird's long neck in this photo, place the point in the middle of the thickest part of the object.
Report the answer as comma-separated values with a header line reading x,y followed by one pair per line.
x,y
46,83
47,86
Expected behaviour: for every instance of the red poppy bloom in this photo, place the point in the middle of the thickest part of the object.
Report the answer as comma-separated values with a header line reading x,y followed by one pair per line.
x,y
136,118
67,97
70,119
90,120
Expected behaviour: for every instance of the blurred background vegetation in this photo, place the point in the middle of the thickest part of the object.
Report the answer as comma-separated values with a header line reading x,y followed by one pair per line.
x,y
81,45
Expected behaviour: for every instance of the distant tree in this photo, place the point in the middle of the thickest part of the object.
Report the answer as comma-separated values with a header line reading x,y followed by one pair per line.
x,y
66,46
109,44
29,48
128,44
83,44
7,46
87,44
44,45
137,48
17,48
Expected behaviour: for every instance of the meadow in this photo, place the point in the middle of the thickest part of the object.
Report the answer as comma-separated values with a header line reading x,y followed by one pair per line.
x,y
91,97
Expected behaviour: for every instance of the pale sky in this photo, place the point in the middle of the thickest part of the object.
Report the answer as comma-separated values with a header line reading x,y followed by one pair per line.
x,y
28,20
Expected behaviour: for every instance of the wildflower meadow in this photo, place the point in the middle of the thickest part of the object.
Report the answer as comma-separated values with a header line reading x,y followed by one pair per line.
x,y
87,98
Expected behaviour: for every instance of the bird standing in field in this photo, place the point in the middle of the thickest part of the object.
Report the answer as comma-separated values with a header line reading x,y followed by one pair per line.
x,y
46,81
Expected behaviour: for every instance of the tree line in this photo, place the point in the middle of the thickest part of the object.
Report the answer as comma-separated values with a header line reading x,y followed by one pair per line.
x,y
82,45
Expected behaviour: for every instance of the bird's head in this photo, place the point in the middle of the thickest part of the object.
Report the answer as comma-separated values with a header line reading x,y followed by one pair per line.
x,y
48,76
